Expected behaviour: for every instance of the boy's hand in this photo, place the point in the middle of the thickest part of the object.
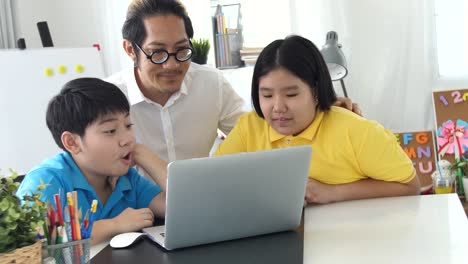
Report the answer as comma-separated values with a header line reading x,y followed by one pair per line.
x,y
131,220
348,104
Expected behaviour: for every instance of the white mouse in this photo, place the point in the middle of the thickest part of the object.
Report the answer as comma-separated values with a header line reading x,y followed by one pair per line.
x,y
125,239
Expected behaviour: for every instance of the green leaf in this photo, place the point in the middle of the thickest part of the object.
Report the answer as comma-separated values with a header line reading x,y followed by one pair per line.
x,y
42,185
9,180
18,220
12,188
13,213
3,232
13,226
4,205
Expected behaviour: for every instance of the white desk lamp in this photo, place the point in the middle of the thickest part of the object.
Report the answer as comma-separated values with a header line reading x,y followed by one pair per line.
x,y
335,59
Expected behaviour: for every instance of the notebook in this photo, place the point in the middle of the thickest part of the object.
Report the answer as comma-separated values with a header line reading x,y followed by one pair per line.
x,y
234,196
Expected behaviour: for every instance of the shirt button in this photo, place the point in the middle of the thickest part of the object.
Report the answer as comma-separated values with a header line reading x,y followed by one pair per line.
x,y
288,141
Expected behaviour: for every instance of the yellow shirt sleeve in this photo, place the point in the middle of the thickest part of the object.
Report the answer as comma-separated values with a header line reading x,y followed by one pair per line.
x,y
380,156
234,142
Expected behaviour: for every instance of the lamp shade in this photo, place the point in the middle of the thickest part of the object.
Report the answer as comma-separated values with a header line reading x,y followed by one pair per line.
x,y
334,57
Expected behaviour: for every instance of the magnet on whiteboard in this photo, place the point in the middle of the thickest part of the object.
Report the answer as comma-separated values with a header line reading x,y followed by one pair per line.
x,y
79,68
62,69
48,72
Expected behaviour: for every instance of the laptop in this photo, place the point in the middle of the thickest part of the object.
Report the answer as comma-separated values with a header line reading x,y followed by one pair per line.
x,y
234,196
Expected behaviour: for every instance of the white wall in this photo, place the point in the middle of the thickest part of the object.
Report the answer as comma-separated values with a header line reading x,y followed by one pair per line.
x,y
71,23
199,13
86,22
267,20
76,24
374,50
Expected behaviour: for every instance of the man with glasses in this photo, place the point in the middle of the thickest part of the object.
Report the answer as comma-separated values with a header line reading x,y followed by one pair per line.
x,y
176,106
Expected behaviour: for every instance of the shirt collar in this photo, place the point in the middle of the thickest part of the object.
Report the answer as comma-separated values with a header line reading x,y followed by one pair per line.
x,y
123,184
309,133
77,178
135,96
187,80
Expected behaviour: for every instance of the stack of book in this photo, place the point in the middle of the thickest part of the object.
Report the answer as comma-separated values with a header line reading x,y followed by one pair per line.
x,y
249,55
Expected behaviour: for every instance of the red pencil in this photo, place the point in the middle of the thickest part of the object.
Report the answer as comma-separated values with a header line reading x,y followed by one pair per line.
x,y
51,213
58,204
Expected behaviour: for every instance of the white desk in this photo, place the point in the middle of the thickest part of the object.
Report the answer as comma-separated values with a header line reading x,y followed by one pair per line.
x,y
415,229
94,250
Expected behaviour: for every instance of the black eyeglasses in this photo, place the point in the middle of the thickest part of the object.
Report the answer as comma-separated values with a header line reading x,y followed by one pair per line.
x,y
160,56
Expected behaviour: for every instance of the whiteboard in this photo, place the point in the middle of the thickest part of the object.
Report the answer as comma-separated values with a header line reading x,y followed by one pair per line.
x,y
28,80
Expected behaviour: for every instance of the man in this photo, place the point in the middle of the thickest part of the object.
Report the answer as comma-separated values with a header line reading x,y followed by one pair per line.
x,y
176,106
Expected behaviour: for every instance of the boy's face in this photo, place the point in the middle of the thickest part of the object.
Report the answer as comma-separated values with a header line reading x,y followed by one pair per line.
x,y
106,147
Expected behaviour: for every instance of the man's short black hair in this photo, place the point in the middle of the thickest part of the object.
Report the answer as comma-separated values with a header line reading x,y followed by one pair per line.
x,y
133,28
80,103
302,58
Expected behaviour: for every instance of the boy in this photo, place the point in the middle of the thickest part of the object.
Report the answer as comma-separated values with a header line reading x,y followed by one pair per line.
x,y
89,119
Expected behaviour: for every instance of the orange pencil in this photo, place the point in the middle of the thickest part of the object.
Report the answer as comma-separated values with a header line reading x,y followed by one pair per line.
x,y
77,217
71,208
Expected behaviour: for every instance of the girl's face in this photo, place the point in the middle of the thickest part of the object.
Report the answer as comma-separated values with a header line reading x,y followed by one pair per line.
x,y
287,102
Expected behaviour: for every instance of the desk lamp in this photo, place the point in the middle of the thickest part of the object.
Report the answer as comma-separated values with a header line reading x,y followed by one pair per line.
x,y
335,59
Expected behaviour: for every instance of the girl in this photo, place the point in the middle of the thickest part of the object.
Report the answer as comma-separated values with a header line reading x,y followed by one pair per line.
x,y
292,94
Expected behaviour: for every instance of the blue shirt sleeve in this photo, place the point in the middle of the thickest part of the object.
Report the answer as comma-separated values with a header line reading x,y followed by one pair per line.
x,y
31,181
145,189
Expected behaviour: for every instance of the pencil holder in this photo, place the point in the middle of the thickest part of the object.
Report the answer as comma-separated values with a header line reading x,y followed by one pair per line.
x,y
71,252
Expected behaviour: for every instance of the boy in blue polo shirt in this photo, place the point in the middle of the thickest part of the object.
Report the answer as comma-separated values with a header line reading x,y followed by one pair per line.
x,y
89,119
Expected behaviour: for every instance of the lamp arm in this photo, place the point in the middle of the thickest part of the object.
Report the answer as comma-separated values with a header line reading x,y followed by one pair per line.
x,y
344,88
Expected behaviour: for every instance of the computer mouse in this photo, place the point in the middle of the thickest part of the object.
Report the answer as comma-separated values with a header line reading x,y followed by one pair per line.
x,y
125,239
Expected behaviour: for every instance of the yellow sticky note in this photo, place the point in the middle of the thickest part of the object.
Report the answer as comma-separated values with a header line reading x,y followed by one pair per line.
x,y
62,69
79,68
48,72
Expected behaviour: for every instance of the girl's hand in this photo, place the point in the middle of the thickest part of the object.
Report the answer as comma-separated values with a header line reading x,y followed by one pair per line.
x,y
317,192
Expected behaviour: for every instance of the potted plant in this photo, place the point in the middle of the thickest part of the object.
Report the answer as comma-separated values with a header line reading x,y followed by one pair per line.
x,y
19,222
201,47
461,166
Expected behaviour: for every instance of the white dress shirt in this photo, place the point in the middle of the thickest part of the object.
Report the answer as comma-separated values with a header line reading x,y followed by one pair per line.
x,y
186,126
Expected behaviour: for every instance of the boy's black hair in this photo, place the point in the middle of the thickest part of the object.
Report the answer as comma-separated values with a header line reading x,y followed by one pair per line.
x,y
302,58
80,103
133,28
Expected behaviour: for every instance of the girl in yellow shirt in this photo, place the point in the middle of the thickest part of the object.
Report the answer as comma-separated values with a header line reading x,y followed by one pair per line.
x,y
292,94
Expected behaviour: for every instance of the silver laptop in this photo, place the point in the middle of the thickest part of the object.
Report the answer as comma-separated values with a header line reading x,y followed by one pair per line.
x,y
233,196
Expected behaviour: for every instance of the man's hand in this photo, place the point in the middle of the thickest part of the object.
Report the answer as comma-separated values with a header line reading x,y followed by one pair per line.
x,y
151,163
131,220
139,152
317,192
348,104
